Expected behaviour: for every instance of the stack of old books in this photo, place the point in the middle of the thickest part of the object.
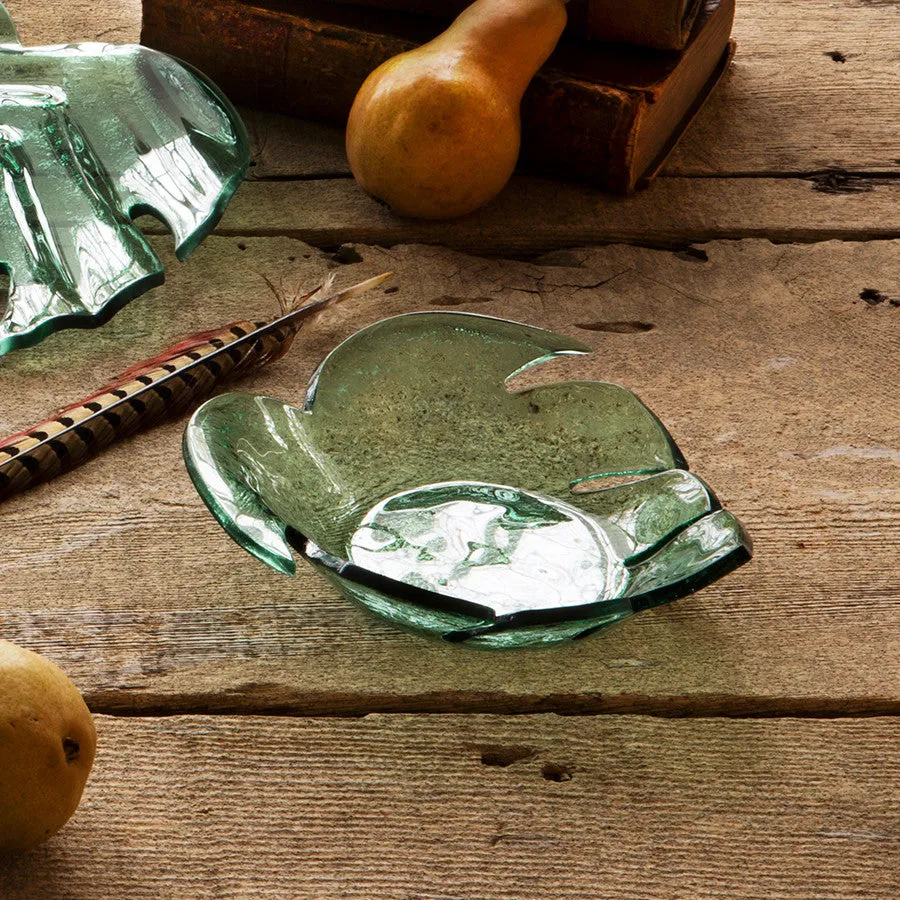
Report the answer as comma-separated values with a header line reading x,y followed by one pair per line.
x,y
607,108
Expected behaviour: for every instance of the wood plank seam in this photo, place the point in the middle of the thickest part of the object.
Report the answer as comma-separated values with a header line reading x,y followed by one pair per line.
x,y
837,178
352,707
534,215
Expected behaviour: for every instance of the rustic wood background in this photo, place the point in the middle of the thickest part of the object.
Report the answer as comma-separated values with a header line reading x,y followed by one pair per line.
x,y
261,737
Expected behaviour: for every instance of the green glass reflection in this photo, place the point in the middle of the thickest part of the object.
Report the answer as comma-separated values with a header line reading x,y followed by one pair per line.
x,y
440,499
91,135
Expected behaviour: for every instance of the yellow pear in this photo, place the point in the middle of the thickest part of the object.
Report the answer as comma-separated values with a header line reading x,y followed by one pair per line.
x,y
435,132
47,744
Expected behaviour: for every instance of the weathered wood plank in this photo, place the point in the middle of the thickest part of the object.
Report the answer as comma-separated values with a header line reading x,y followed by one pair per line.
x,y
776,379
38,22
477,808
786,105
789,105
532,214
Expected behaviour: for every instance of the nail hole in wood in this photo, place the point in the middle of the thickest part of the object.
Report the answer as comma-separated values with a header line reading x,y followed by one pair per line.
x,y
628,327
554,772
346,255
503,757
693,254
872,297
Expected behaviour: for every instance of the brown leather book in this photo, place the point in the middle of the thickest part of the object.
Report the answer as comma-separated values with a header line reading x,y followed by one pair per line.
x,y
607,114
664,24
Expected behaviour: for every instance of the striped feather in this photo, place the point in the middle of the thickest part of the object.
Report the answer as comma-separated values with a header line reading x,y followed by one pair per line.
x,y
156,389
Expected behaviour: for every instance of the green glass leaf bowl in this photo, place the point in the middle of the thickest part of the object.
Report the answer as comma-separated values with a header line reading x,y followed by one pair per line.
x,y
428,491
92,135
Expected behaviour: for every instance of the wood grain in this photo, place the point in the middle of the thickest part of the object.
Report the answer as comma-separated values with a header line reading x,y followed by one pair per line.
x,y
776,379
477,808
788,106
38,22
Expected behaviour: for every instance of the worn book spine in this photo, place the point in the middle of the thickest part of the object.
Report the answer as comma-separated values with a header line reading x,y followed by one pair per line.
x,y
663,24
308,60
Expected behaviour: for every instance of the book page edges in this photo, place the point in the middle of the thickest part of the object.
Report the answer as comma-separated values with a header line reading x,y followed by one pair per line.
x,y
650,170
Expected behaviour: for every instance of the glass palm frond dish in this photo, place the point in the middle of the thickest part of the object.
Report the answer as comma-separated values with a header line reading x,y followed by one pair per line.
x,y
431,493
91,135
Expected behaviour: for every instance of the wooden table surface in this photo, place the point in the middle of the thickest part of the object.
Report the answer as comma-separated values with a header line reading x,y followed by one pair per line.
x,y
260,737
